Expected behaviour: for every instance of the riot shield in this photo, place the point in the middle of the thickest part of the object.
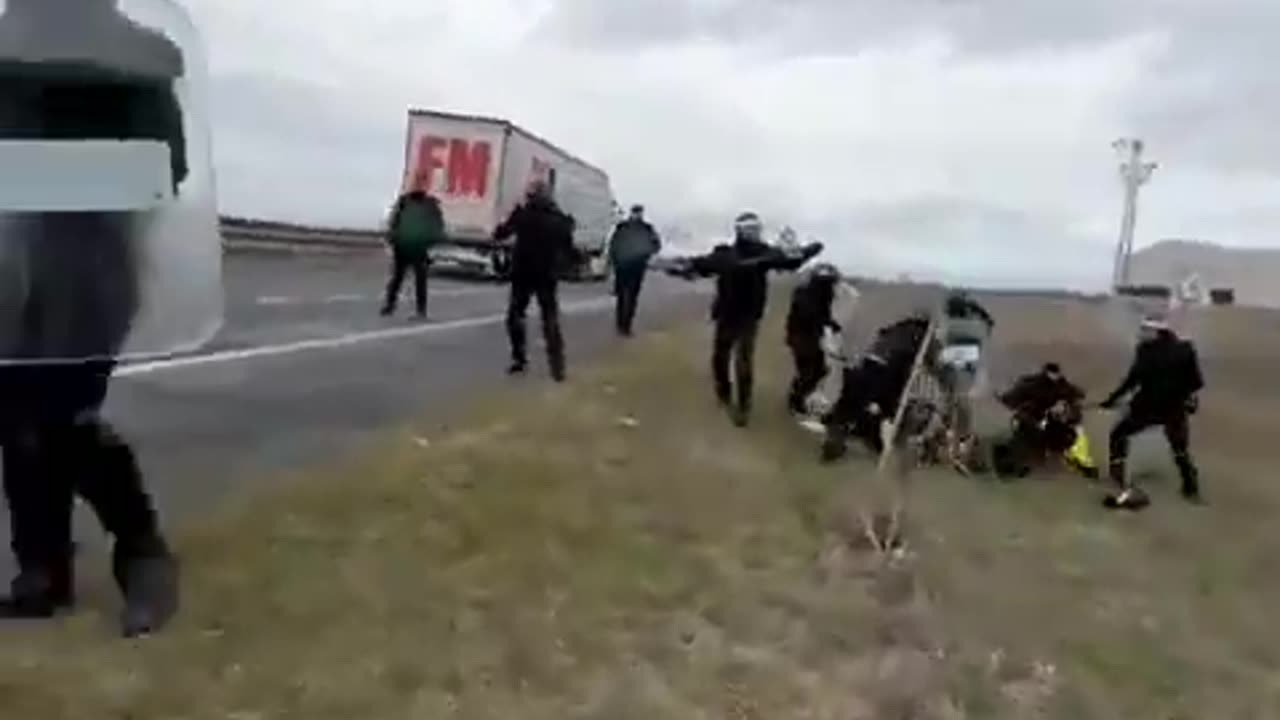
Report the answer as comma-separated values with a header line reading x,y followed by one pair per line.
x,y
109,243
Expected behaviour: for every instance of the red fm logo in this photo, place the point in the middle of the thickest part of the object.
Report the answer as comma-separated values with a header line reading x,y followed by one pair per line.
x,y
465,165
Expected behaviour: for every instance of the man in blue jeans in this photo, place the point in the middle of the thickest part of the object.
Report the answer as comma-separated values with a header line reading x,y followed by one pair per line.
x,y
634,241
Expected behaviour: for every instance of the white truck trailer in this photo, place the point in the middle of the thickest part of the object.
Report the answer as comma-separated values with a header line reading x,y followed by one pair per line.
x,y
480,168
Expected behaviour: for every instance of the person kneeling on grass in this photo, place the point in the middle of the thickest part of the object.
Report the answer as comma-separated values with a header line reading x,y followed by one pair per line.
x,y
1048,411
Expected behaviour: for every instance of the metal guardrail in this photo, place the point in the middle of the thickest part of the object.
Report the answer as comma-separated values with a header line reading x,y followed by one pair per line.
x,y
239,236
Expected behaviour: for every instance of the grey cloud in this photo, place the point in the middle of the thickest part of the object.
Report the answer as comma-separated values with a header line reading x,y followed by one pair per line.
x,y
961,241
1207,100
627,25
289,150
827,26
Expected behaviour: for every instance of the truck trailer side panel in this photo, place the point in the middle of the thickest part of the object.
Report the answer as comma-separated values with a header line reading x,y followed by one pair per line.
x,y
480,169
459,161
580,189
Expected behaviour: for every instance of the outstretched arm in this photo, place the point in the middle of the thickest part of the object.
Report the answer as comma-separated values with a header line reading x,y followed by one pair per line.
x,y
507,227
1130,383
781,261
716,262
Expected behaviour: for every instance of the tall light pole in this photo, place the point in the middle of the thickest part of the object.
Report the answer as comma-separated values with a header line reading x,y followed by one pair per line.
x,y
1134,173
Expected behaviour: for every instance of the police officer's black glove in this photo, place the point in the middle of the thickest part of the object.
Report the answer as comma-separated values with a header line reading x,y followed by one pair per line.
x,y
1108,404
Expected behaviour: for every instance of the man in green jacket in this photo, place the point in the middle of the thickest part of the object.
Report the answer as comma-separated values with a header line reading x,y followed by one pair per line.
x,y
417,223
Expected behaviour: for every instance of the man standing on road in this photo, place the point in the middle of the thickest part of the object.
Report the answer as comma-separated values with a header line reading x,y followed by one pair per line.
x,y
1166,375
543,245
416,224
742,287
72,290
634,241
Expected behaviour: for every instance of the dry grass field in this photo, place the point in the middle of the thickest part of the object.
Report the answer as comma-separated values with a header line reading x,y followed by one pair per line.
x,y
615,549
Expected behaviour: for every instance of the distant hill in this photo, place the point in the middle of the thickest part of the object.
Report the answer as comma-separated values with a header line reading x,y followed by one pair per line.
x,y
1254,273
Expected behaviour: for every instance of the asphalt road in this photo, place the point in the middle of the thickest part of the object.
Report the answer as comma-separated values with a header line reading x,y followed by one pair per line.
x,y
305,371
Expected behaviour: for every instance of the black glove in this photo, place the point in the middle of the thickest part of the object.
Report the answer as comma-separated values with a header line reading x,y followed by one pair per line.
x,y
1192,404
813,249
1108,404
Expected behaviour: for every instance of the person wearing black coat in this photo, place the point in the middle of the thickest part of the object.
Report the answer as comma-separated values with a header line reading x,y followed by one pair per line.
x,y
807,320
82,296
543,245
874,387
1164,378
1047,411
742,272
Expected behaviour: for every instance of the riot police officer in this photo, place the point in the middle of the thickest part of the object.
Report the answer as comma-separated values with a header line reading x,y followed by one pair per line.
x,y
809,317
83,86
742,272
1164,378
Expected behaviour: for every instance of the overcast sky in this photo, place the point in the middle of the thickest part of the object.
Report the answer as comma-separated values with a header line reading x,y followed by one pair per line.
x,y
962,139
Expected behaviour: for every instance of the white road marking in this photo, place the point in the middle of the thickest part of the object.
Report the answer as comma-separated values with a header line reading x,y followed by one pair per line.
x,y
145,368
352,297
276,300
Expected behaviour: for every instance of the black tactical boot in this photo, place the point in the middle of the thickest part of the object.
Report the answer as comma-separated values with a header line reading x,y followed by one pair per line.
x,y
39,593
148,578
1190,480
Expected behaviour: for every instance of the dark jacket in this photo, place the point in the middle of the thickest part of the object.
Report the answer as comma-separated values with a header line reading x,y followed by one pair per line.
x,y
741,271
416,225
1166,374
881,376
633,241
898,343
810,312
543,239
1033,395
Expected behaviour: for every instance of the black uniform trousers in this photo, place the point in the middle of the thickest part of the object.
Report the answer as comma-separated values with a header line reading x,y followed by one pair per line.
x,y
628,280
51,457
1177,431
545,288
734,340
811,367
401,264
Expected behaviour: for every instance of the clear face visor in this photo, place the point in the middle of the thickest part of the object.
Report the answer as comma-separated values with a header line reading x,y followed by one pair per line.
x,y
749,229
109,243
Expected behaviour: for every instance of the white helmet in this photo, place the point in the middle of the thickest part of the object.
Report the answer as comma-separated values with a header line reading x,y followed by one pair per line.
x,y
748,225
825,271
